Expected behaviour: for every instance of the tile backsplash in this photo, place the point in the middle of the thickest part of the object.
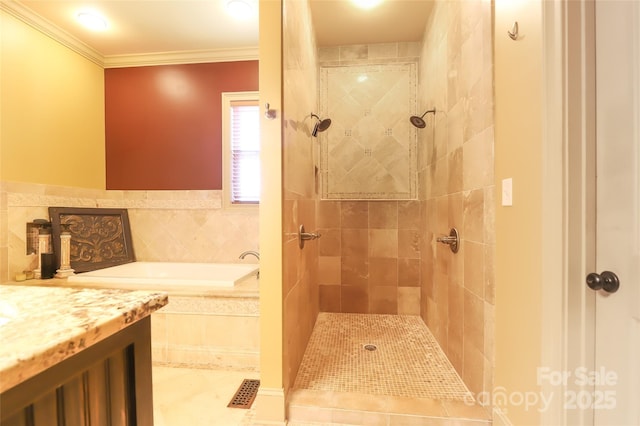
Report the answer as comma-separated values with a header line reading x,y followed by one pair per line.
x,y
179,226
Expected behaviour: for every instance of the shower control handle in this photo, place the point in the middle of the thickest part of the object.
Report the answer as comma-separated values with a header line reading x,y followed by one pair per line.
x,y
446,240
453,240
306,236
607,281
309,236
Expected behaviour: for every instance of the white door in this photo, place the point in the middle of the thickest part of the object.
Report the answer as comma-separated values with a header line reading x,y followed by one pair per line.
x,y
616,399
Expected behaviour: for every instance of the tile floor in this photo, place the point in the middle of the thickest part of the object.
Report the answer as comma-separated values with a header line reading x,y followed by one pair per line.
x,y
406,381
408,361
198,397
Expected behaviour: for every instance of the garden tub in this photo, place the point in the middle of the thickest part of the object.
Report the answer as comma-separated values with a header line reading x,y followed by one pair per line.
x,y
169,276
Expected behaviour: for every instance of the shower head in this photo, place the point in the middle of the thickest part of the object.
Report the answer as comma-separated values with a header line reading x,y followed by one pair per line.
x,y
418,121
320,126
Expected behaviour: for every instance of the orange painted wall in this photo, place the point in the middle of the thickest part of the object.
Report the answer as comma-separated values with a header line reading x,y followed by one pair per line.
x,y
163,123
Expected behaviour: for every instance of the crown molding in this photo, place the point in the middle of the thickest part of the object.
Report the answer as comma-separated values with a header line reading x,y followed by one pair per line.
x,y
26,15
183,57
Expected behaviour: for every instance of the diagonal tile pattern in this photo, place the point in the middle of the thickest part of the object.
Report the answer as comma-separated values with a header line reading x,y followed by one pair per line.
x,y
370,150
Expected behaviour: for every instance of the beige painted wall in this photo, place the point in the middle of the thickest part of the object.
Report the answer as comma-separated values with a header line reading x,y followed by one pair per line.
x,y
270,399
519,233
52,123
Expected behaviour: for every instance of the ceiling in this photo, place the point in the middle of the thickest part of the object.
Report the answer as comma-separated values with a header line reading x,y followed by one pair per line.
x,y
142,27
340,22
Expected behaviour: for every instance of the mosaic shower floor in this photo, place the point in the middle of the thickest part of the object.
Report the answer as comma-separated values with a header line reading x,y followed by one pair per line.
x,y
407,380
407,360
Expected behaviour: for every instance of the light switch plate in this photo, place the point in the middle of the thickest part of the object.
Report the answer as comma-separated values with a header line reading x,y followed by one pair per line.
x,y
507,192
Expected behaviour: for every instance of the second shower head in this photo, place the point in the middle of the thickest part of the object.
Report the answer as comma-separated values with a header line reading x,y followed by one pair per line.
x,y
419,121
320,126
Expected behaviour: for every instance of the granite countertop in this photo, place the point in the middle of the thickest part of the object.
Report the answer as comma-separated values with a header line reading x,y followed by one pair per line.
x,y
42,326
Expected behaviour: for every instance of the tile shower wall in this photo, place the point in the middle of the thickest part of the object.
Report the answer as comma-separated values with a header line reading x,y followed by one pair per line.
x,y
369,257
370,150
300,288
456,186
179,226
370,250
363,54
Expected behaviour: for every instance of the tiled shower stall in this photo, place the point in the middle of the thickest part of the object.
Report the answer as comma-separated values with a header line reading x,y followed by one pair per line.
x,y
381,256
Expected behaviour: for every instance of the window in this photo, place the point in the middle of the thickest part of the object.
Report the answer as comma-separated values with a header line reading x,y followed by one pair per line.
x,y
241,142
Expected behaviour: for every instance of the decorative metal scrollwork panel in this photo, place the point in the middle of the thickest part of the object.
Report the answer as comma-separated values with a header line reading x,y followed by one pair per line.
x,y
99,237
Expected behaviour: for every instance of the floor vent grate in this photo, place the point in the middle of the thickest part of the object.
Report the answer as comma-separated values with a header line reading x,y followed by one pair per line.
x,y
245,394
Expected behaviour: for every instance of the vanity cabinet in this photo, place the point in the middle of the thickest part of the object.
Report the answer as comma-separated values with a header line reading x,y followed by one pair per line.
x,y
108,383
101,376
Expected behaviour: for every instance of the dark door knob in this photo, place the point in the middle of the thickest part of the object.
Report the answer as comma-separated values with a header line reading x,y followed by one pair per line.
x,y
607,281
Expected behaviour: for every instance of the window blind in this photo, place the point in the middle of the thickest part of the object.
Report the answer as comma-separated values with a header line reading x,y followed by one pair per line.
x,y
245,152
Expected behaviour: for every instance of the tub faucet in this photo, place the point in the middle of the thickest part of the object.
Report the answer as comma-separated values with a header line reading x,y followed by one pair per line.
x,y
249,252
252,253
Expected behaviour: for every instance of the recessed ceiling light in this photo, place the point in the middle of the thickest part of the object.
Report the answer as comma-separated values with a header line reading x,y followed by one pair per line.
x,y
366,4
92,20
239,9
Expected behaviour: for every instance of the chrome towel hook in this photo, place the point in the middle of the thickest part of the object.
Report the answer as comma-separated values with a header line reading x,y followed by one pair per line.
x,y
513,33
269,113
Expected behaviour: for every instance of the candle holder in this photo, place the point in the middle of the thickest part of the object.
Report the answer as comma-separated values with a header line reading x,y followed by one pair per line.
x,y
65,253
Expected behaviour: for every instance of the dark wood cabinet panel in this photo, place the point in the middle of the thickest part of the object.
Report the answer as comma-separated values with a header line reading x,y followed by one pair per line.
x,y
106,384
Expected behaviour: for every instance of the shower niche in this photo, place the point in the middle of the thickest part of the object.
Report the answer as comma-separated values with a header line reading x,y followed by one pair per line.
x,y
370,150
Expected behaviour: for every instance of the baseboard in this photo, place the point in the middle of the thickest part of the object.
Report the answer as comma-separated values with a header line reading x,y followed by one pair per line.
x,y
270,407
